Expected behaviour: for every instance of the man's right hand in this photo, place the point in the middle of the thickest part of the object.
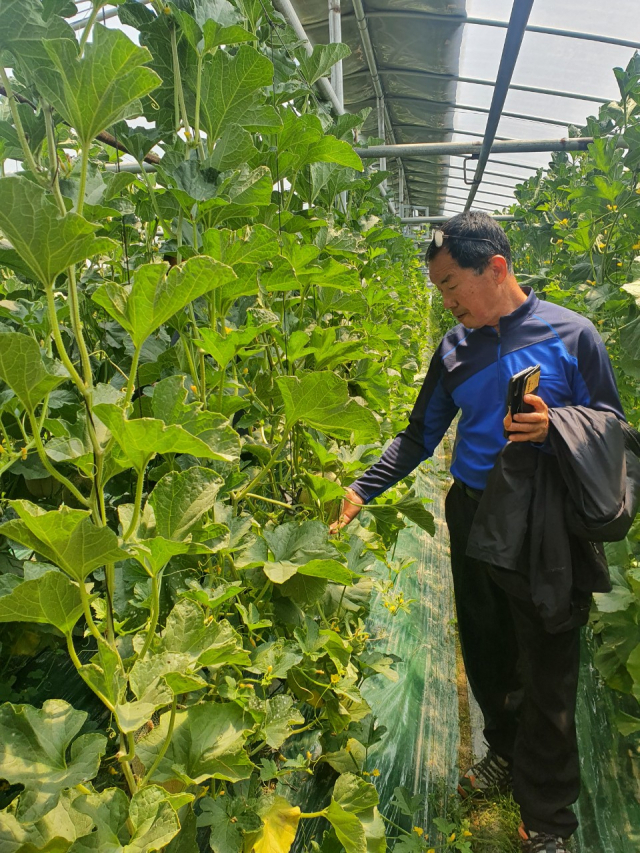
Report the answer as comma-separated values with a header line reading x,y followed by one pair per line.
x,y
351,506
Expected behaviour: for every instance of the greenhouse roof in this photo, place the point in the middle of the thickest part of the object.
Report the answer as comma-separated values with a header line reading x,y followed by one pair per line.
x,y
437,62
429,67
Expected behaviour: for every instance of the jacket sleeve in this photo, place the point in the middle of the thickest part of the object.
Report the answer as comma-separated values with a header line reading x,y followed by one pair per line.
x,y
594,383
431,416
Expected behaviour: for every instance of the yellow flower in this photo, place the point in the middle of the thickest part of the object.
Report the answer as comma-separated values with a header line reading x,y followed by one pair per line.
x,y
619,264
375,772
418,830
636,246
452,837
2,450
194,389
467,834
335,678
564,222
431,850
23,452
366,773
559,242
309,756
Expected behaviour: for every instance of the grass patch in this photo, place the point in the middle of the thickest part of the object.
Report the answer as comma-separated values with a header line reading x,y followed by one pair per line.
x,y
494,824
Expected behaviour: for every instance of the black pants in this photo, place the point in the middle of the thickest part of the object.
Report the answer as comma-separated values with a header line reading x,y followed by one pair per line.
x,y
524,679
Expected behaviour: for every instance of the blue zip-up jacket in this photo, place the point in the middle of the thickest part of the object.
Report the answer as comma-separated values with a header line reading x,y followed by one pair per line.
x,y
470,372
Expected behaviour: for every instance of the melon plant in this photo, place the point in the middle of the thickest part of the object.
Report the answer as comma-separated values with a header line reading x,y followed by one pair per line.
x,y
197,356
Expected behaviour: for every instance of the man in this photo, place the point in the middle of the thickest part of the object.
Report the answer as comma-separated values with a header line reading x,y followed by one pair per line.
x,y
523,677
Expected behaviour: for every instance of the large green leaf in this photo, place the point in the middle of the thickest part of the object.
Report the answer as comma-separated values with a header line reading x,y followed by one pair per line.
x,y
207,742
22,368
248,245
23,29
347,827
154,552
410,506
169,405
146,824
51,599
280,718
322,59
155,296
131,716
93,91
354,794
322,401
142,438
46,242
53,833
187,644
38,750
275,658
180,499
234,148
66,537
232,92
223,349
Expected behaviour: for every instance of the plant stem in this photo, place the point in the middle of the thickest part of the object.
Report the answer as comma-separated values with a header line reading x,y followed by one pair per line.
x,y
178,80
15,115
92,19
78,665
110,577
272,460
137,504
42,455
165,745
86,607
269,500
76,325
128,775
132,377
84,166
62,351
196,118
179,236
155,614
131,747
153,199
53,157
314,814
395,825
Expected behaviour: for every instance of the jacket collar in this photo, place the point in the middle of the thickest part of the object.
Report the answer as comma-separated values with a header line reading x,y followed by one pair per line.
x,y
510,322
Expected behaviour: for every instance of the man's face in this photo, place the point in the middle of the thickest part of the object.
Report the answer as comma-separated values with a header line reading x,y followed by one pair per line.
x,y
472,299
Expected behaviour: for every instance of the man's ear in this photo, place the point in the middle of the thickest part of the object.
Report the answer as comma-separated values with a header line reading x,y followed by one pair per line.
x,y
499,268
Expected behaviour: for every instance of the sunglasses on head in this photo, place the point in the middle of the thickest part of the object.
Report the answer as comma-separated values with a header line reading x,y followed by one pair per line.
x,y
439,238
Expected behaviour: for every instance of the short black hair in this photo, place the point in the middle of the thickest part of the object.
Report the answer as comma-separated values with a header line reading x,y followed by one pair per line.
x,y
472,238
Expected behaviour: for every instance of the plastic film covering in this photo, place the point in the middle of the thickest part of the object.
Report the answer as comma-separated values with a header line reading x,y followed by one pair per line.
x,y
609,804
416,58
420,711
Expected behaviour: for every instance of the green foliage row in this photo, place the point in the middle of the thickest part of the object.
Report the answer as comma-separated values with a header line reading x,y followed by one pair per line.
x,y
578,243
194,362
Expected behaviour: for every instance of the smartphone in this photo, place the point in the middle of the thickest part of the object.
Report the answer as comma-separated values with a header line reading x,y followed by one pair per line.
x,y
524,382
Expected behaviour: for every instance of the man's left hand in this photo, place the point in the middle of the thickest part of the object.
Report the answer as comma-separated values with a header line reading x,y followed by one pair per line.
x,y
529,426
